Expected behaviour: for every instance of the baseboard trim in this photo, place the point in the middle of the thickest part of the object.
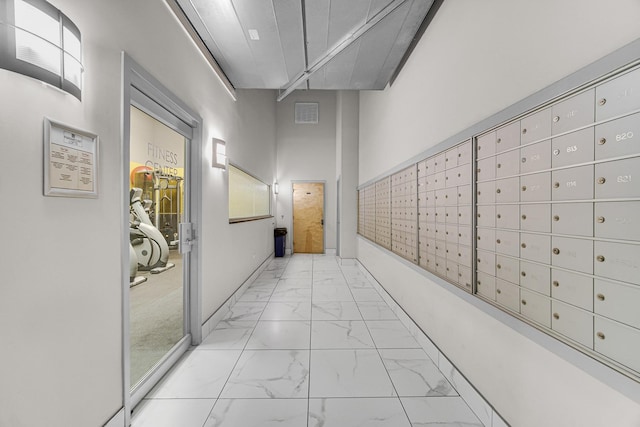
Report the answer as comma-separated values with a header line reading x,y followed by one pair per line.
x,y
210,324
117,420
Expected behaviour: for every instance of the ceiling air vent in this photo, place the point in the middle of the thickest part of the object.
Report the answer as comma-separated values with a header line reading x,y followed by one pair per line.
x,y
307,112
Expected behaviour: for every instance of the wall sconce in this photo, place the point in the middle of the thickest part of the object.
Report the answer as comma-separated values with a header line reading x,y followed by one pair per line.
x,y
275,188
43,43
219,154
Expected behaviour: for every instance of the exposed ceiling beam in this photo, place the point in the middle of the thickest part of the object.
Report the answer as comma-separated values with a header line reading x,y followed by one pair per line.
x,y
435,6
181,16
341,45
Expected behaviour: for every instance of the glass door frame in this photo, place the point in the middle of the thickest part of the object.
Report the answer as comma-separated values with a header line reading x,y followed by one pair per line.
x,y
141,89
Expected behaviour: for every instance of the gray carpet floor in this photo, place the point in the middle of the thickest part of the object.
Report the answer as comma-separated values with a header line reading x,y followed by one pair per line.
x,y
156,317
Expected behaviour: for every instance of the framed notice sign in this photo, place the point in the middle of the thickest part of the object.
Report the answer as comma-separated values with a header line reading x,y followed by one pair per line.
x,y
70,161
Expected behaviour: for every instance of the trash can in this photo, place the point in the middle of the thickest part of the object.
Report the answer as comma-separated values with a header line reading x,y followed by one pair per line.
x,y
280,236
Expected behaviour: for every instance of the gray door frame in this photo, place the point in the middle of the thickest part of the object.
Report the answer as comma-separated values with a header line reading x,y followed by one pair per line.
x,y
168,108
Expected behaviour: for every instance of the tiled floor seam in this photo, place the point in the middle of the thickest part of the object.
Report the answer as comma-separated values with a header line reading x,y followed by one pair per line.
x,y
417,332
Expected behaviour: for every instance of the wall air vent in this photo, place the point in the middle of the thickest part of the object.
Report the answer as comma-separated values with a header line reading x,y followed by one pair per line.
x,y
306,112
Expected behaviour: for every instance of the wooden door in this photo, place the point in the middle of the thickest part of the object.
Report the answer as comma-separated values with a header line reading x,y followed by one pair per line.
x,y
308,217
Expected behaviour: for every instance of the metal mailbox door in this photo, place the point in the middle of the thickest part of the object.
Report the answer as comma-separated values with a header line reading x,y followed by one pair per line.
x,y
508,164
618,96
536,157
573,183
486,144
535,247
573,288
536,217
573,254
572,218
618,179
573,113
619,261
508,216
617,220
486,169
508,190
508,242
508,269
535,127
618,138
535,277
507,137
536,187
573,148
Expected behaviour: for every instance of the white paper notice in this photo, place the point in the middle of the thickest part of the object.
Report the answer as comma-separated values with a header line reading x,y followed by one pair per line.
x,y
71,160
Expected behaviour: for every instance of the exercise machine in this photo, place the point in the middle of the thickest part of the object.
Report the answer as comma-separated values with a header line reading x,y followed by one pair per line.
x,y
134,279
150,246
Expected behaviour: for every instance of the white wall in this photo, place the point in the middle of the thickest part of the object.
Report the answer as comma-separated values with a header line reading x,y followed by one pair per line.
x,y
475,59
307,152
347,170
60,297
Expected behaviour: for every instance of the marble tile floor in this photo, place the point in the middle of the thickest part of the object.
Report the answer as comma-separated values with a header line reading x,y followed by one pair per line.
x,y
309,344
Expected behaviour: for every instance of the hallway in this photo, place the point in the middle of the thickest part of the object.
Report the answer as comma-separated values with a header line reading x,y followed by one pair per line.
x,y
310,343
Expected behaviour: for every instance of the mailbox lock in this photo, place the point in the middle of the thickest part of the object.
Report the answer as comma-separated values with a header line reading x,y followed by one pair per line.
x,y
556,119
602,101
498,191
556,218
499,140
556,185
556,283
601,180
478,237
600,297
524,160
524,217
556,152
600,219
524,274
524,131
556,251
499,165
602,141
600,258
499,216
523,246
498,241
524,302
478,215
478,170
498,291
556,316
524,188
600,335
479,283
498,266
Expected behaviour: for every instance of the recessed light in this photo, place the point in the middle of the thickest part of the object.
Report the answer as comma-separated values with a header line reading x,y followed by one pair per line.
x,y
253,34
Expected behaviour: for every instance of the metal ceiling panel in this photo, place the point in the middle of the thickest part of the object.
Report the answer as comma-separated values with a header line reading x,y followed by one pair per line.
x,y
280,58
376,45
339,70
289,19
266,52
317,24
221,21
416,15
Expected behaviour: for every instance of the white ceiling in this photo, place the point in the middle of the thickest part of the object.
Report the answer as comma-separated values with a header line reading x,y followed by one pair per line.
x,y
333,57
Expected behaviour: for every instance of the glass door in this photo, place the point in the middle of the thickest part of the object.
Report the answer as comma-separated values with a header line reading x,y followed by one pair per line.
x,y
158,211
